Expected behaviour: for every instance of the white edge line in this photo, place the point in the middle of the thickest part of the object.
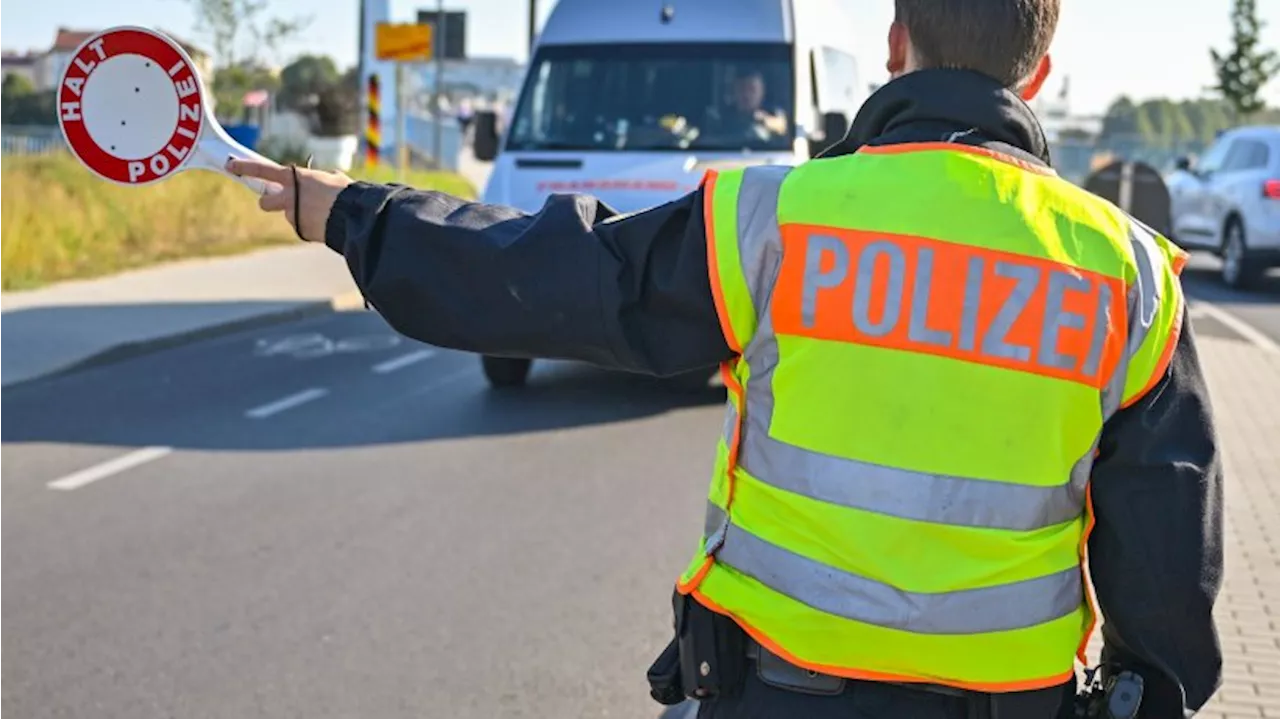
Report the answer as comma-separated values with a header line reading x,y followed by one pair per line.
x,y
284,403
403,361
1239,326
108,468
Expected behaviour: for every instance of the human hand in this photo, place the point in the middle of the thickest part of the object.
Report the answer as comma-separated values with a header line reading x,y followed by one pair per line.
x,y
774,123
307,205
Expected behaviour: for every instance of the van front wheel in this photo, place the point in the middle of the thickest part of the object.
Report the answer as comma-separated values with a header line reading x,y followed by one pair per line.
x,y
506,371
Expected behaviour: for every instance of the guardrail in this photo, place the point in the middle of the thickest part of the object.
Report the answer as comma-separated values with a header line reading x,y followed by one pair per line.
x,y
30,140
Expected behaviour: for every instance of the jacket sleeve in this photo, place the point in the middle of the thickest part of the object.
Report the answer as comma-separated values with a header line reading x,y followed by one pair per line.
x,y
574,281
1155,553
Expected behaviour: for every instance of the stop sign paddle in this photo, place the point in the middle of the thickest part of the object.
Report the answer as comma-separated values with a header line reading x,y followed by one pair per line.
x,y
134,111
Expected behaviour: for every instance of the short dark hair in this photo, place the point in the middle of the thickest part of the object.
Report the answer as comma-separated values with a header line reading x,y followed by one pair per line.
x,y
1001,38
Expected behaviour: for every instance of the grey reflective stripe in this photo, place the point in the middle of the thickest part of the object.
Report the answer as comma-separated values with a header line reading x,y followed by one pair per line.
x,y
1004,607
759,235
713,528
1144,302
941,499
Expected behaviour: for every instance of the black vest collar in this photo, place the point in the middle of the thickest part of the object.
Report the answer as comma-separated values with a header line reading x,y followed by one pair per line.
x,y
947,105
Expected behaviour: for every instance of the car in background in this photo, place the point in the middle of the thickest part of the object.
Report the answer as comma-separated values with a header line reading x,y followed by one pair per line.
x,y
1229,202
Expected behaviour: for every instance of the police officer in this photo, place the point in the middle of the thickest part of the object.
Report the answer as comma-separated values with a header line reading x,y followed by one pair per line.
x,y
950,372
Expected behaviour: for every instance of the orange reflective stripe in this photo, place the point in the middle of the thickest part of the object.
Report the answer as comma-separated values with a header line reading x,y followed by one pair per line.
x,y
713,267
767,643
731,466
929,296
1166,356
1081,654
956,147
696,579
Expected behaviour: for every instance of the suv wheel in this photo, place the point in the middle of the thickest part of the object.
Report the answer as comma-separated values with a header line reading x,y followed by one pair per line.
x,y
1237,270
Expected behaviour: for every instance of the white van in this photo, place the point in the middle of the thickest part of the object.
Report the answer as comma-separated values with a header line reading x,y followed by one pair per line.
x,y
634,100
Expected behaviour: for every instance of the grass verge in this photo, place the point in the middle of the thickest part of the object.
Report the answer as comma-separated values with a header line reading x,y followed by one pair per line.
x,y
62,223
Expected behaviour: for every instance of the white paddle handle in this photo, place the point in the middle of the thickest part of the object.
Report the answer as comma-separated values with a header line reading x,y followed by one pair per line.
x,y
216,148
260,187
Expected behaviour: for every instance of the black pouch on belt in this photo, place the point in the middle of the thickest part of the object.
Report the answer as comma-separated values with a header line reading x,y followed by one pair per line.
x,y
664,676
713,651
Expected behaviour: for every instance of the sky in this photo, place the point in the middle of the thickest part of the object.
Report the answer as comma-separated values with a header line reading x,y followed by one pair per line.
x,y
1142,48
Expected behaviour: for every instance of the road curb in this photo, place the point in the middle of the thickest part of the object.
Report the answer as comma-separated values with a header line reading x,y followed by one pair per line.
x,y
343,302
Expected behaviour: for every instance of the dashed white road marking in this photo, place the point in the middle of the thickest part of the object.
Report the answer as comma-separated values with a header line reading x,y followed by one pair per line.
x,y
1235,324
403,361
111,467
286,403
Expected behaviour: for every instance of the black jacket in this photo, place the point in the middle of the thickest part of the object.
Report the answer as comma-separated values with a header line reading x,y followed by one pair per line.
x,y
579,281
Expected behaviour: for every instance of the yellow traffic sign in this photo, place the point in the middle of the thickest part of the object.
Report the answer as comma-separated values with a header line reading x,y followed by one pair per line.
x,y
402,42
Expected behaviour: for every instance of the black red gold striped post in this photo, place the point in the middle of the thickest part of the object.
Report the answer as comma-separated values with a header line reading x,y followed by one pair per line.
x,y
373,125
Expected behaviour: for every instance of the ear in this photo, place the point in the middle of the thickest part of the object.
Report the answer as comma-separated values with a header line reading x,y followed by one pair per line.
x,y
899,49
1032,88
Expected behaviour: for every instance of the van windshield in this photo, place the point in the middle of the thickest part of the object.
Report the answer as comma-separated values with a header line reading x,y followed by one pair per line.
x,y
659,97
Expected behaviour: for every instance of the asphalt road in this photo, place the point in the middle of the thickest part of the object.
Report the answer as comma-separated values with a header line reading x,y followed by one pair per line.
x,y
394,543
324,520
1258,307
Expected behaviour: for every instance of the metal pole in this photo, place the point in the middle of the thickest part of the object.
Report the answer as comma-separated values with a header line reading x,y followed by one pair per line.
x,y
402,134
533,25
360,72
437,40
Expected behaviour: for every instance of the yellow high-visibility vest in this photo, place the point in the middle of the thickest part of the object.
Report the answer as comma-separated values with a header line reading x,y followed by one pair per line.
x,y
930,338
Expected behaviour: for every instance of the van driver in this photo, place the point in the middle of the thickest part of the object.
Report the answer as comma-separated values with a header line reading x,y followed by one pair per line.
x,y
746,115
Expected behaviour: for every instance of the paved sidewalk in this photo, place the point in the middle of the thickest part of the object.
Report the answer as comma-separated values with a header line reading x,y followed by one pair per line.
x,y
71,324
1244,381
1245,385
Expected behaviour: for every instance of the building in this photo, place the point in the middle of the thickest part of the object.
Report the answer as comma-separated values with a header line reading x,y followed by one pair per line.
x,y
20,64
47,67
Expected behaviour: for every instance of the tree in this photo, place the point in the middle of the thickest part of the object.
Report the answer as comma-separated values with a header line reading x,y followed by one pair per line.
x,y
1119,124
1149,125
21,104
338,106
231,83
231,23
302,80
1181,132
1247,68
16,86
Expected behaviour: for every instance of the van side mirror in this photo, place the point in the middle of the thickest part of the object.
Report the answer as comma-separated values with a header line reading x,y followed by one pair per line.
x,y
834,127
484,141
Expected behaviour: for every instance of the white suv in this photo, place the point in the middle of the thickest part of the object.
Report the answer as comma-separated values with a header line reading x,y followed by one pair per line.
x,y
1229,202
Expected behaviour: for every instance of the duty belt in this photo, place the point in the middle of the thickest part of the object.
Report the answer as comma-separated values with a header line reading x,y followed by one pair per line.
x,y
777,671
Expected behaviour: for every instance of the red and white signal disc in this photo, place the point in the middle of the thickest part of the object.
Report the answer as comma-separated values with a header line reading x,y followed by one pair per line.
x,y
131,106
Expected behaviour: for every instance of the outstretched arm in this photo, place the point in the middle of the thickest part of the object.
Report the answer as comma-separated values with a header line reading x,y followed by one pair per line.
x,y
574,281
